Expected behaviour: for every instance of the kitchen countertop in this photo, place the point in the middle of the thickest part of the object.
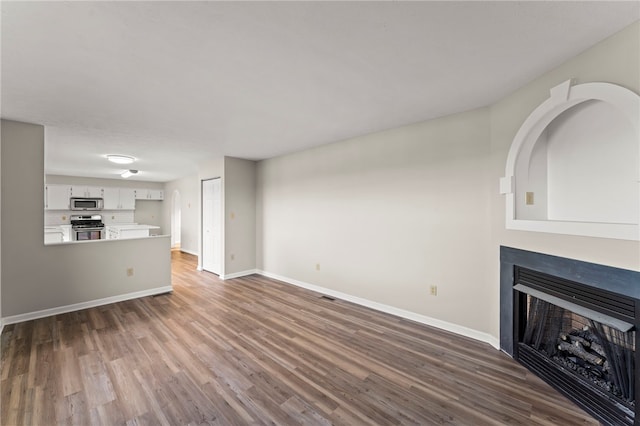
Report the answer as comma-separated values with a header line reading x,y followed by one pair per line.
x,y
126,226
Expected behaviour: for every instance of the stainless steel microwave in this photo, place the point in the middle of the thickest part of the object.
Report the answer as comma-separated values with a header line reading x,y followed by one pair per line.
x,y
86,203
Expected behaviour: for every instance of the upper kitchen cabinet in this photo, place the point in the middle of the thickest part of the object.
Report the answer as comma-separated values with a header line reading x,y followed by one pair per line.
x,y
150,194
119,199
84,191
56,197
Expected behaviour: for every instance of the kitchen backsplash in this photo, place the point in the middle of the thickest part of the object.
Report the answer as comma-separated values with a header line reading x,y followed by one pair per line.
x,y
109,217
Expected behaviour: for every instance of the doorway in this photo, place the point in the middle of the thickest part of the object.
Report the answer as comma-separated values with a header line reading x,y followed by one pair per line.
x,y
212,225
176,219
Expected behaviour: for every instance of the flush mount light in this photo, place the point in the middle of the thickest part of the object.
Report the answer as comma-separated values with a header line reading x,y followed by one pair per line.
x,y
120,159
128,173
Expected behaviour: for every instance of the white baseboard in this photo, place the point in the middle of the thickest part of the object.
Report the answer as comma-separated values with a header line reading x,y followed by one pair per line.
x,y
239,274
84,305
423,319
190,252
1,326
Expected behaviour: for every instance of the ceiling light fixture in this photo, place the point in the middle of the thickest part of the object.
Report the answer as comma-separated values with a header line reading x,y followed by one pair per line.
x,y
128,173
120,159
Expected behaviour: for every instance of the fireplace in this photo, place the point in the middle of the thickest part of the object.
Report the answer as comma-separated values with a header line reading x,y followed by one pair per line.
x,y
574,324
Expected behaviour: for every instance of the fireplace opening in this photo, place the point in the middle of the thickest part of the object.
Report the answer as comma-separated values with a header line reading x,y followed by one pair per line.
x,y
580,340
596,353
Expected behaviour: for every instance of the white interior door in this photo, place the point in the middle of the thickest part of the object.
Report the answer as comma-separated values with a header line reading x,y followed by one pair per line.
x,y
176,220
211,225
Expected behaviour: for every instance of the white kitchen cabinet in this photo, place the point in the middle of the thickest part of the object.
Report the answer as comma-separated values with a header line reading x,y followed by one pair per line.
x,y
150,194
84,191
127,199
119,199
111,198
66,232
52,234
120,232
56,197
112,233
141,194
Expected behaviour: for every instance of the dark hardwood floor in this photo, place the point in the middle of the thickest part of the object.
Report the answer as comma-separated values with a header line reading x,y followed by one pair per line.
x,y
257,351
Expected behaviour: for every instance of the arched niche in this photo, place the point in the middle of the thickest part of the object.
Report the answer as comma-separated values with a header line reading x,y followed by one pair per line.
x,y
574,165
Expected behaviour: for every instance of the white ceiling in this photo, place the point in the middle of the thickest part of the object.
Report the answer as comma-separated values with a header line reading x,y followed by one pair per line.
x,y
175,83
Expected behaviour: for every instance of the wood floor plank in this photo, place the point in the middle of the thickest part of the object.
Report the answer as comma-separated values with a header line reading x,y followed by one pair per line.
x,y
256,351
97,386
68,364
125,382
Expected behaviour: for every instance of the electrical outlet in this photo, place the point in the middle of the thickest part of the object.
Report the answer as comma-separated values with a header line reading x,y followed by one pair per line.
x,y
317,266
433,290
529,198
129,272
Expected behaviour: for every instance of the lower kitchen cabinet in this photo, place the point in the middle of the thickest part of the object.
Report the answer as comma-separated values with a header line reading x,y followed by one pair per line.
x,y
119,232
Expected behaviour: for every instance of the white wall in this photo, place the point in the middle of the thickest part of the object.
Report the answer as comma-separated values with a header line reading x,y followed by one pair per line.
x,y
151,212
593,163
533,177
240,215
189,188
1,317
36,277
386,216
389,214
238,178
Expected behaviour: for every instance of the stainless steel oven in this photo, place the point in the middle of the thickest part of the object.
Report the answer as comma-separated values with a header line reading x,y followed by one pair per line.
x,y
86,234
86,228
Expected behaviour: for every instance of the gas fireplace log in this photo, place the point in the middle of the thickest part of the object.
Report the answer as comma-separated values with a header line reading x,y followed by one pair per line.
x,y
591,344
579,351
596,347
575,339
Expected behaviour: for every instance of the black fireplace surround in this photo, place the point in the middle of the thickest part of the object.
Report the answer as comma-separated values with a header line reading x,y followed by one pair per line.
x,y
576,325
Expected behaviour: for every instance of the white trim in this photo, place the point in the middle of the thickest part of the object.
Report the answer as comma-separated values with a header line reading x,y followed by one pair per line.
x,y
620,231
1,326
423,319
239,274
84,305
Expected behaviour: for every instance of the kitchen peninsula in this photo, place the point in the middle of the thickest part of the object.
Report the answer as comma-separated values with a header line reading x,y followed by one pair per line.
x,y
63,233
